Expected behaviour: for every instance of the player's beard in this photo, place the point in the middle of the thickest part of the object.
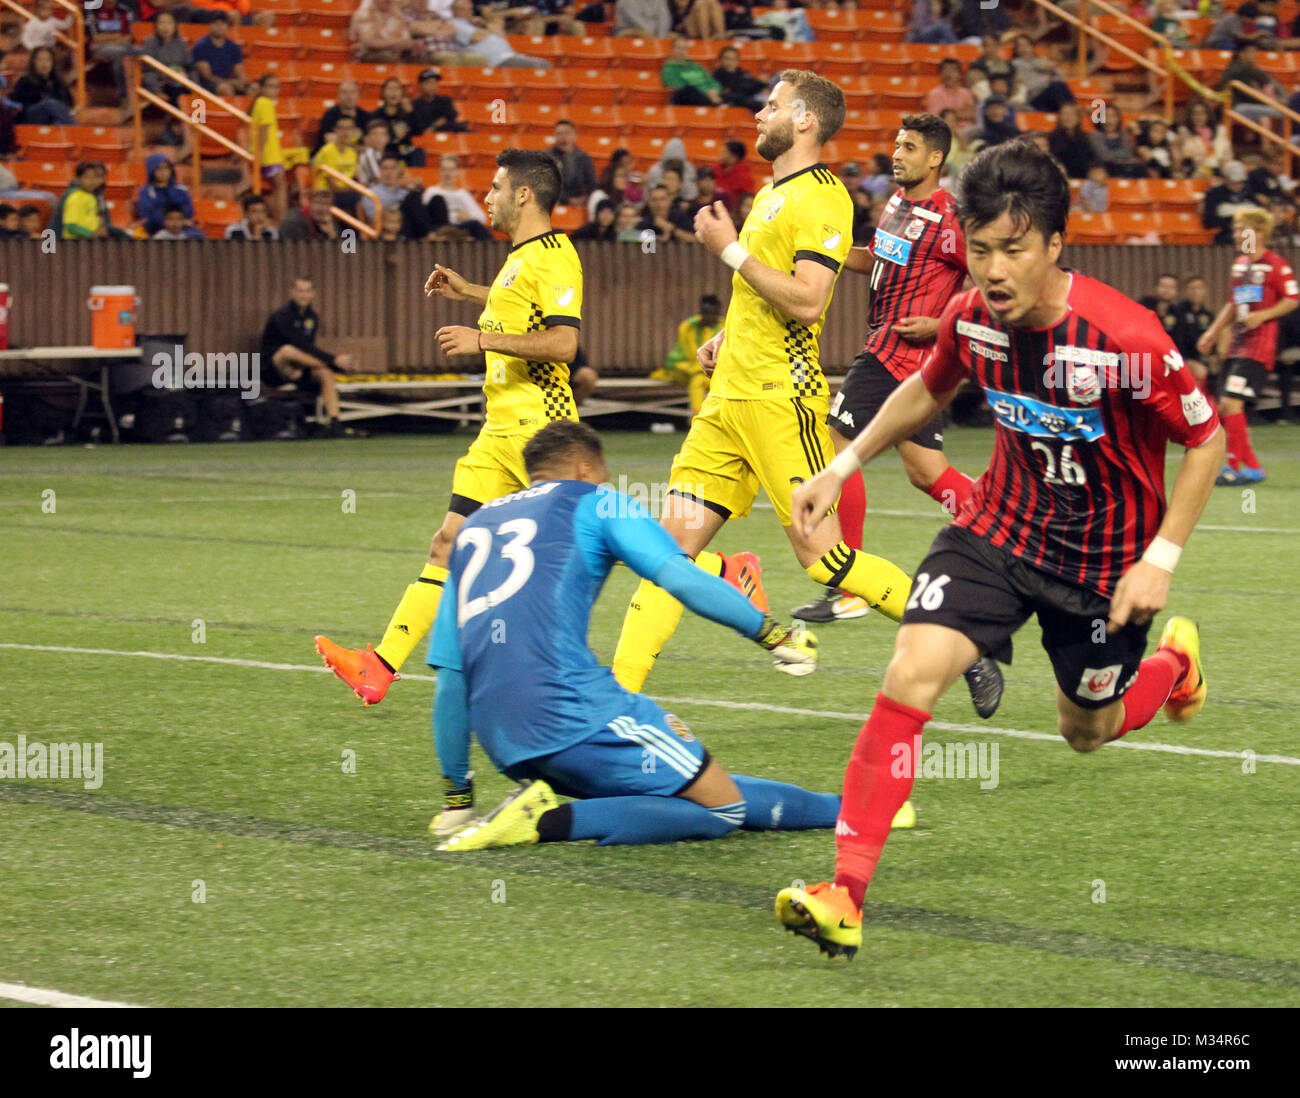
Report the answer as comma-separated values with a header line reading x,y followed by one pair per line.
x,y
504,216
775,143
906,182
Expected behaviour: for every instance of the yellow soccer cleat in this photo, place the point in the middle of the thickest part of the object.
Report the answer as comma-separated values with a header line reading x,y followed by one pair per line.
x,y
823,914
904,818
848,607
1182,635
512,823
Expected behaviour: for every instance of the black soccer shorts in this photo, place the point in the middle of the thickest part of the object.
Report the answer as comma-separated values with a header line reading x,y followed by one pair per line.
x,y
866,387
986,594
1244,378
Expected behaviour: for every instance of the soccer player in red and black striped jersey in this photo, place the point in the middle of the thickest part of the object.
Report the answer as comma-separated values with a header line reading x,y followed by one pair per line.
x,y
917,262
1069,523
1261,291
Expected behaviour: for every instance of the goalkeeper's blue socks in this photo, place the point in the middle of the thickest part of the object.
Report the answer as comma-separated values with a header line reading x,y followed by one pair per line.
x,y
776,806
635,821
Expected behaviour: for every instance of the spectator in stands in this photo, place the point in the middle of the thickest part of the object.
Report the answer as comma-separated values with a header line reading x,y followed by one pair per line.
x,y
997,127
618,182
682,366
1194,317
489,42
41,93
576,167
674,156
1095,191
601,226
453,212
340,154
1114,146
1285,230
978,18
390,225
706,191
647,18
9,226
431,112
373,147
739,88
1155,146
291,356
931,21
315,222
29,221
1239,28
734,177
961,152
881,180
388,188
270,153
346,107
381,32
551,17
627,223
395,109
1165,20
1201,146
167,48
988,64
160,191
951,94
39,30
108,30
1070,144
740,211
1164,302
864,229
219,60
1039,83
1245,68
1225,199
81,213
175,228
657,217
691,83
256,223
680,212
1266,175
700,19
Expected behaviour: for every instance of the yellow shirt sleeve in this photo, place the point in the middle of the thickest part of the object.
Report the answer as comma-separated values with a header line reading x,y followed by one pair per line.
x,y
559,288
263,114
825,233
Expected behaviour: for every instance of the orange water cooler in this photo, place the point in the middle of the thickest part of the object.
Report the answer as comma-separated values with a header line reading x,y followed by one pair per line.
x,y
112,316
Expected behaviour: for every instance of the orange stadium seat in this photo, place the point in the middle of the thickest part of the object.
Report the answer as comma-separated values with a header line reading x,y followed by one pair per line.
x,y
372,77
880,24
1124,34
1178,195
1182,227
926,56
293,79
645,150
1036,121
1279,64
536,45
107,143
45,142
288,13
264,43
442,144
214,214
634,53
123,181
836,26
669,121
591,52
568,218
892,59
780,55
836,59
1130,222
545,85
1130,192
636,88
327,13
1205,65
481,149
904,93
1091,228
486,85
43,175
325,43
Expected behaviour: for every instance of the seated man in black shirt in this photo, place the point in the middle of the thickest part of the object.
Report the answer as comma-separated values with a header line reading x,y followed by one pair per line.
x,y
290,355
431,111
347,105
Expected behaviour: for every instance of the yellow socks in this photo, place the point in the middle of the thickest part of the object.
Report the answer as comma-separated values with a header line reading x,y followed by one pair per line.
x,y
884,585
413,616
652,618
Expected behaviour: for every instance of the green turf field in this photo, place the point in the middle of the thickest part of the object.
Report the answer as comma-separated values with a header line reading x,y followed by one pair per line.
x,y
321,887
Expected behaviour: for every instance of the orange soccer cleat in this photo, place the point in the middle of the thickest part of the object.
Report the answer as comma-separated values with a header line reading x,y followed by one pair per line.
x,y
744,572
364,671
824,914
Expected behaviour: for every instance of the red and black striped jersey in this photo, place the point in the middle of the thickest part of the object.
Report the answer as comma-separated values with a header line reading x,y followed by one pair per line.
x,y
1258,283
920,262
1083,410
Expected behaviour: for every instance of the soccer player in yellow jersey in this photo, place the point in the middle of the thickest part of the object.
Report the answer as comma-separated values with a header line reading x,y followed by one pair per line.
x,y
764,422
528,332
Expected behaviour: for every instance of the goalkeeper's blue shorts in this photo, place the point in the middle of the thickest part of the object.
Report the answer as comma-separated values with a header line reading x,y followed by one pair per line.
x,y
646,753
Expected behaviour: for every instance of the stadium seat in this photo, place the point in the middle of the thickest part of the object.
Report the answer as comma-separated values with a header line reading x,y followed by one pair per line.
x,y
537,45
903,93
325,43
635,53
1130,192
43,175
1091,228
892,59
836,59
587,51
336,14
214,214
636,88
546,86
1177,195
1282,65
488,85
456,144
836,26
482,149
45,142
294,79
123,181
264,43
881,24
107,143
1036,121
781,55
288,13
670,121
1125,34
1131,222
568,218
1182,227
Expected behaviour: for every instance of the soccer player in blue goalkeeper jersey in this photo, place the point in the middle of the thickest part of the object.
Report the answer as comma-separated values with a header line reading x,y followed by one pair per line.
x,y
510,648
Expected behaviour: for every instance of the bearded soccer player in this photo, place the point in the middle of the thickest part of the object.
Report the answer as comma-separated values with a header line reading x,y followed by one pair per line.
x,y
1070,522
917,262
764,422
528,332
1261,291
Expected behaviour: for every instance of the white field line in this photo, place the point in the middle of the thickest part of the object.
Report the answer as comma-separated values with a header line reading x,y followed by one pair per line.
x,y
714,703
44,996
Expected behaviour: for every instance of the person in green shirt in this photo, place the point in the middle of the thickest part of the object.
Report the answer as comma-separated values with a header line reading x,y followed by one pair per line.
x,y
78,215
682,366
691,83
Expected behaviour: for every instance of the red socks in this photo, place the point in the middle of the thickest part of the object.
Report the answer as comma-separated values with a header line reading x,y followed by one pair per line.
x,y
1240,451
952,490
877,782
1157,675
852,510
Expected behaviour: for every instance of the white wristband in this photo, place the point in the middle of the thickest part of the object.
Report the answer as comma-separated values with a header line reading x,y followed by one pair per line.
x,y
734,255
846,463
1163,553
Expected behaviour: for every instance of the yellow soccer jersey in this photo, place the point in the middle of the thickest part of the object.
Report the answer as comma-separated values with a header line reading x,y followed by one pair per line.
x,y
539,286
765,355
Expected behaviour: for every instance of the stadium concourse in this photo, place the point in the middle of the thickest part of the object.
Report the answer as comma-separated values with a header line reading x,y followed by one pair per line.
x,y
611,86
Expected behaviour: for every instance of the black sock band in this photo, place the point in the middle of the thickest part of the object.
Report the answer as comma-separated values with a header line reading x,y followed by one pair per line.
x,y
556,825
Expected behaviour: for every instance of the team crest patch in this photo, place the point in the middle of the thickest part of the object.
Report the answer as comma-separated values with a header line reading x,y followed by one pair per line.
x,y
679,728
1256,275
773,207
914,229
511,272
1098,683
1082,384
830,238
563,295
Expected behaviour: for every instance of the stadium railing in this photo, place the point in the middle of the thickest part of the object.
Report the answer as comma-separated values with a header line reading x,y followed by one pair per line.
x,y
76,41
348,183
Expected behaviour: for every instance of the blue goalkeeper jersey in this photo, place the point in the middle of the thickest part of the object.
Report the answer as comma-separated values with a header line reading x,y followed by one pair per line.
x,y
516,608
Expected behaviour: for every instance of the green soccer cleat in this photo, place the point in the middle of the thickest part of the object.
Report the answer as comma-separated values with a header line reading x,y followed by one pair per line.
x,y
1182,635
512,823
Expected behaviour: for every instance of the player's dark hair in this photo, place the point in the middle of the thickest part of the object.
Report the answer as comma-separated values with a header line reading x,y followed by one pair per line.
x,y
824,98
1016,178
563,440
535,170
934,131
